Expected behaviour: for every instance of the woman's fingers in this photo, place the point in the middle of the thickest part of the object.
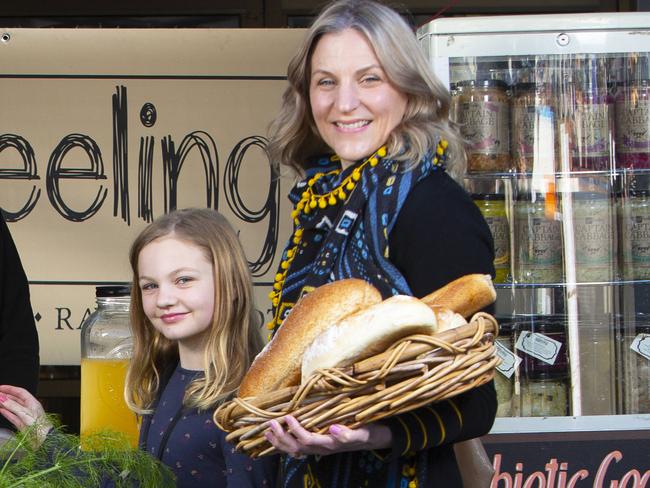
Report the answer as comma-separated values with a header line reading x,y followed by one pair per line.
x,y
20,395
298,441
20,407
11,417
313,443
282,440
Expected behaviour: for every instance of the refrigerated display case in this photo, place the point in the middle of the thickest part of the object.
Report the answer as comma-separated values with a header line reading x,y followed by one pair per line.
x,y
555,110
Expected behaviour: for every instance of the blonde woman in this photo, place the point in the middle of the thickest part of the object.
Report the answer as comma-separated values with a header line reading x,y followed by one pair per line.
x,y
365,126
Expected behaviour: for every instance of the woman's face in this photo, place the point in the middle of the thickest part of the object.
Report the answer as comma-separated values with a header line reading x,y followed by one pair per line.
x,y
354,105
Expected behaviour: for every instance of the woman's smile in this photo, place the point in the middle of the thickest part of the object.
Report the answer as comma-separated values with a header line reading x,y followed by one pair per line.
x,y
352,126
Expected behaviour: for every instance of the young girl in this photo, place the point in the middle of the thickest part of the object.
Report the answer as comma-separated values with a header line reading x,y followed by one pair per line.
x,y
194,338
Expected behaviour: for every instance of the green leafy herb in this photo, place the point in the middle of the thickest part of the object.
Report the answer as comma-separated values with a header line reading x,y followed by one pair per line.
x,y
59,462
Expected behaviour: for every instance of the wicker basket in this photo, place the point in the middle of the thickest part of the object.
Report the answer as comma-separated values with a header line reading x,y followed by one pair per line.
x,y
415,371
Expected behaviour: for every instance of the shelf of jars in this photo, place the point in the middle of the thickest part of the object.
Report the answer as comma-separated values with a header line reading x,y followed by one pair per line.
x,y
572,260
559,165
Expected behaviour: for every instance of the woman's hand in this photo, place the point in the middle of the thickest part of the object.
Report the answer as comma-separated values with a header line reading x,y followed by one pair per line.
x,y
20,408
298,442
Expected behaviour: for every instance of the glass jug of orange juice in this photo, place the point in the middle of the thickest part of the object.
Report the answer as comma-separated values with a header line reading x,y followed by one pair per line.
x,y
106,347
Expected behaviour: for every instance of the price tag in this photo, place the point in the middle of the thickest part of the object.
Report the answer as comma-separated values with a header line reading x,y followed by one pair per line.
x,y
509,360
539,346
641,345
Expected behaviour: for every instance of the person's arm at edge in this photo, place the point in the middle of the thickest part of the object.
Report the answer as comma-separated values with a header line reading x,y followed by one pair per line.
x,y
19,349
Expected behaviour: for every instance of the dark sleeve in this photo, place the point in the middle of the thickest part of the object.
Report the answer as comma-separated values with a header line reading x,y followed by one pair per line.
x,y
19,359
439,236
244,472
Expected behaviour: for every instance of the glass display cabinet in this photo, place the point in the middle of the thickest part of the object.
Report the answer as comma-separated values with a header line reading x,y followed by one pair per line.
x,y
555,110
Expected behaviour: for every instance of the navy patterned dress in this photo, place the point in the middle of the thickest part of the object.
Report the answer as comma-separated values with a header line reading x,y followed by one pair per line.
x,y
194,448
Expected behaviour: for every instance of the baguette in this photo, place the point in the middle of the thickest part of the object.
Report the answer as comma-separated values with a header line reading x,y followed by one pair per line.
x,y
278,365
368,332
465,295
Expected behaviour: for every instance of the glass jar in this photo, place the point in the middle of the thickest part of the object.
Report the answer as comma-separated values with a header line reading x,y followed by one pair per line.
x,y
636,365
507,405
597,366
533,139
482,108
632,109
106,347
635,235
545,355
544,397
593,115
594,236
538,245
493,209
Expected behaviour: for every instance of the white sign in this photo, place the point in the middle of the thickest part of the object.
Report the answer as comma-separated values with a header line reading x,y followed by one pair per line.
x,y
539,346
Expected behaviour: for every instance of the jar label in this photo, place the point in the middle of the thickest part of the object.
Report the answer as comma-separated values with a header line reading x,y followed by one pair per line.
x,y
541,241
527,123
539,346
509,360
593,239
636,245
501,236
641,345
487,126
633,126
592,130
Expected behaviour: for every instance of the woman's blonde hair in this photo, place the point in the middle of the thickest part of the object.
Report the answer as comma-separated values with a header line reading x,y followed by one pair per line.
x,y
294,137
232,340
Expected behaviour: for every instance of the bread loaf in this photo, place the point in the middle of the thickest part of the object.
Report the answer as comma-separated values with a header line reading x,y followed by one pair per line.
x,y
447,318
278,365
465,295
368,332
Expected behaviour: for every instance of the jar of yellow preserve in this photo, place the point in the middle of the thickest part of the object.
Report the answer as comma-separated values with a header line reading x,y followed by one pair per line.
x,y
106,347
493,208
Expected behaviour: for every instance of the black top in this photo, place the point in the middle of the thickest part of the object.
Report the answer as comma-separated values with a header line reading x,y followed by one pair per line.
x,y
19,359
440,235
195,449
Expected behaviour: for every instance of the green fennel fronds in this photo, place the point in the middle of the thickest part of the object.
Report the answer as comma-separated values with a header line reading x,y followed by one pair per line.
x,y
59,462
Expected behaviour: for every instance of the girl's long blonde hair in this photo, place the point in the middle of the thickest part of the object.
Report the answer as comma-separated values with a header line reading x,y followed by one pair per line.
x,y
232,340
294,138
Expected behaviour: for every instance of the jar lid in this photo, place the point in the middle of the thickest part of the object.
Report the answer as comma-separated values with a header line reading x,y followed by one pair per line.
x,y
485,83
590,195
544,324
505,327
112,291
547,376
528,197
639,192
642,323
642,329
633,83
530,86
488,196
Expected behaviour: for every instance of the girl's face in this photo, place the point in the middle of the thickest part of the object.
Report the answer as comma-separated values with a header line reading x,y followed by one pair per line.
x,y
354,105
177,284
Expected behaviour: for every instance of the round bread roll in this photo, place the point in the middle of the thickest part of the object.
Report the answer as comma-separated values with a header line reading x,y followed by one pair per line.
x,y
278,365
368,332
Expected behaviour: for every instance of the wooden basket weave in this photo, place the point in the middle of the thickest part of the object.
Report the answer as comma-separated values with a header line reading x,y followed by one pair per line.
x,y
415,371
